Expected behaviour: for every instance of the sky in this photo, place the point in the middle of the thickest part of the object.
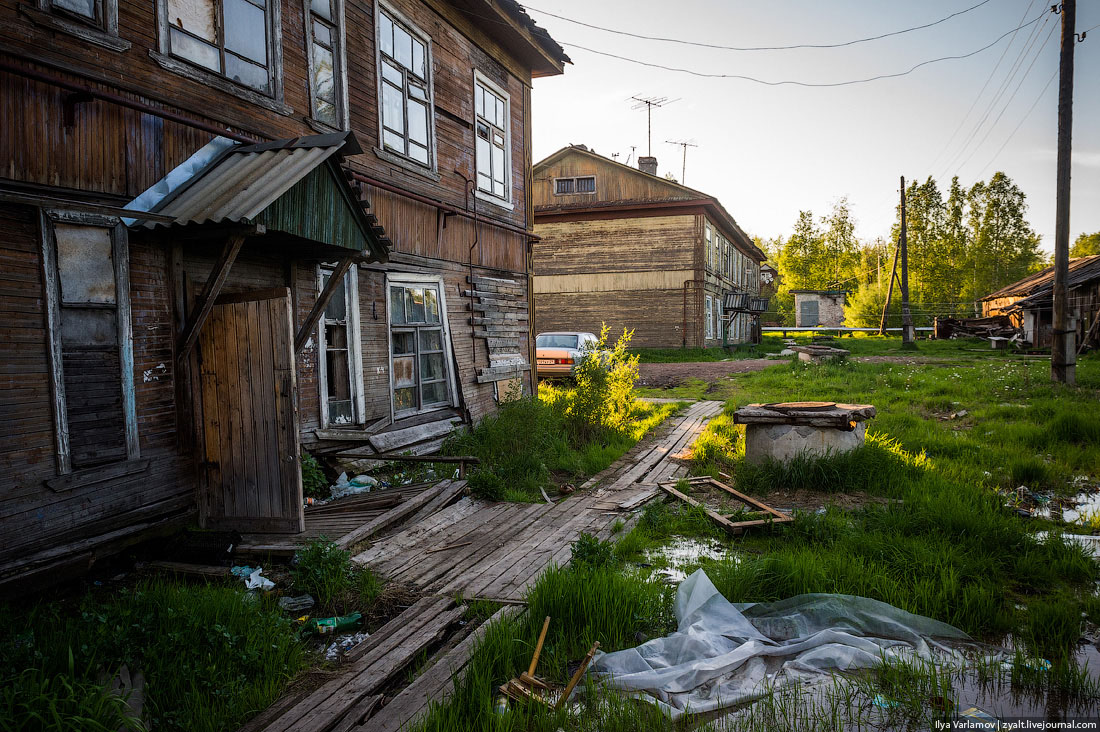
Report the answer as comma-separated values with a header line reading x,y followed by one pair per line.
x,y
767,152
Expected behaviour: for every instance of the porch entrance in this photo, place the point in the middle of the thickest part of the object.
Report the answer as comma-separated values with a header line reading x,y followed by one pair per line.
x,y
250,442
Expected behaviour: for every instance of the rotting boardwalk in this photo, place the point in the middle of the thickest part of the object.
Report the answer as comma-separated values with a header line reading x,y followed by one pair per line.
x,y
497,550
478,549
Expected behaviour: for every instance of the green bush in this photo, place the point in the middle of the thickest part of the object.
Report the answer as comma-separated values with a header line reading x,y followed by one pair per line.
x,y
314,483
487,485
323,570
605,379
589,551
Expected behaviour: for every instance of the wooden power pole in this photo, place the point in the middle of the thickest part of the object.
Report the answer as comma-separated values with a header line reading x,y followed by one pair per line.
x,y
1063,356
890,289
906,318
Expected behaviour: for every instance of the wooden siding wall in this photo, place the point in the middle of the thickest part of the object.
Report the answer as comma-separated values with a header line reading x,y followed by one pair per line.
x,y
614,182
33,517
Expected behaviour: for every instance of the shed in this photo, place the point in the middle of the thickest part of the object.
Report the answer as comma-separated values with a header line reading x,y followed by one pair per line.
x,y
819,308
1030,302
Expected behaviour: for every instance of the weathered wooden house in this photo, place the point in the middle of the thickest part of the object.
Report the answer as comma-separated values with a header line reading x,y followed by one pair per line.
x,y
1030,306
233,229
625,247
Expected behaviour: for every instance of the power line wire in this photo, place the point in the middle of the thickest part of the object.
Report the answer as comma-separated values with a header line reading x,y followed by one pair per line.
x,y
753,48
792,82
992,73
1020,123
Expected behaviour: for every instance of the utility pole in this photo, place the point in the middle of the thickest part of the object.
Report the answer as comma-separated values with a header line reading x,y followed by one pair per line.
x,y
685,144
1063,356
648,103
906,319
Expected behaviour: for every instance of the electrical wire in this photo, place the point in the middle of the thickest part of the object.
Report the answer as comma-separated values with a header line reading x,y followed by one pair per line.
x,y
699,44
1020,124
992,73
790,82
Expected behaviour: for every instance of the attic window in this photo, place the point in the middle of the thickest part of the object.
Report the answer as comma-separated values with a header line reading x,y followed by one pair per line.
x,y
567,186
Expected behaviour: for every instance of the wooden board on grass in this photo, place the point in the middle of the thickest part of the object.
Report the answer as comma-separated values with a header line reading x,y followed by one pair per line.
x,y
735,527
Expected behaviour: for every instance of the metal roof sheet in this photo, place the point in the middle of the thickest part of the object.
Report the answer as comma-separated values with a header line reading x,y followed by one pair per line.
x,y
1080,269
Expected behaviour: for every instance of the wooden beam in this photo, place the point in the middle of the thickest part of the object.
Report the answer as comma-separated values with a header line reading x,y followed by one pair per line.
x,y
210,292
334,281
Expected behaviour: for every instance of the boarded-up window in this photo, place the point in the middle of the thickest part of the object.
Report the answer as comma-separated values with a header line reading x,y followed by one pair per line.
x,y
421,366
90,341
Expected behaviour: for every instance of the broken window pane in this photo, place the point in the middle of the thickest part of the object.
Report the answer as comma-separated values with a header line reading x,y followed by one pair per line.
x,y
431,340
419,54
435,393
85,264
431,366
194,16
246,72
404,342
404,399
404,371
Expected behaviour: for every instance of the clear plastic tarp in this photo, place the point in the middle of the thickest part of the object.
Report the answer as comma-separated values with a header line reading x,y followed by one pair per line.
x,y
724,654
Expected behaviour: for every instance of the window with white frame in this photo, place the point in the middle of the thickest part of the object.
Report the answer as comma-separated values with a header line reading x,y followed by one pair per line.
x,y
341,379
491,107
708,316
325,21
579,184
86,263
707,245
405,88
419,347
231,38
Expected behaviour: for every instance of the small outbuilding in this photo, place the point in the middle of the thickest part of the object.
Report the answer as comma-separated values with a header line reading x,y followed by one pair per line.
x,y
819,308
1029,303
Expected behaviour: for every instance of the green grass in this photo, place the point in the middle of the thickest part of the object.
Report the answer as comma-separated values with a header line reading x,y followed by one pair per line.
x,y
212,656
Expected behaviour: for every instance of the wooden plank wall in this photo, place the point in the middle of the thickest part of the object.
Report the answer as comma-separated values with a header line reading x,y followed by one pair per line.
x,y
33,517
614,182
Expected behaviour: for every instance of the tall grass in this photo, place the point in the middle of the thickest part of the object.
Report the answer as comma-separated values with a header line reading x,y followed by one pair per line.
x,y
212,656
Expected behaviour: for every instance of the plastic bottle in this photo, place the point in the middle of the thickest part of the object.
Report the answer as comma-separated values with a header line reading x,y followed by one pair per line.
x,y
324,626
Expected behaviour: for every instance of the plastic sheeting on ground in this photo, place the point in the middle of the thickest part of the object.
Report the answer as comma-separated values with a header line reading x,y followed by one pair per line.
x,y
724,654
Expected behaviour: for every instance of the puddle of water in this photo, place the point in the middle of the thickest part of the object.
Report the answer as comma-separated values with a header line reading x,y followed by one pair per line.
x,y
680,554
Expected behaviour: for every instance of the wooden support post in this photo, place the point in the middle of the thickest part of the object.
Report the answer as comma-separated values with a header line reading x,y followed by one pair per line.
x,y
1062,354
334,281
889,291
210,292
906,318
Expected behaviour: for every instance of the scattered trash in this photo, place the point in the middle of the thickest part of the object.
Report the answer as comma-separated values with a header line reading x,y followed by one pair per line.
x,y
566,489
884,703
501,705
959,414
979,719
256,581
358,484
324,626
296,604
243,571
1033,664
345,644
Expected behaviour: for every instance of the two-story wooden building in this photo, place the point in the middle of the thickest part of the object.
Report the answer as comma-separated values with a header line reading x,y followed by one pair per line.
x,y
625,247
230,229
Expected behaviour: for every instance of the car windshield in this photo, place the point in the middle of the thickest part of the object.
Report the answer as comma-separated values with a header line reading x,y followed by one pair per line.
x,y
556,340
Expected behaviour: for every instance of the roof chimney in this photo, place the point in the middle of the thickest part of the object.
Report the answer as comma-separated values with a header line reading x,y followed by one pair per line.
x,y
647,165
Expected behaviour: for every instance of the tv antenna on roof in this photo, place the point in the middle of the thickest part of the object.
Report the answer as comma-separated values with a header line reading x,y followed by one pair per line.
x,y
648,103
685,144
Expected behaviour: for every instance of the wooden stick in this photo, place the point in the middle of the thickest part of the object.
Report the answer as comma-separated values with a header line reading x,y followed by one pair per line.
x,y
538,647
445,548
577,676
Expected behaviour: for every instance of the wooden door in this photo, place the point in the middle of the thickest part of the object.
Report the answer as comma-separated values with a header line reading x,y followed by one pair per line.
x,y
253,480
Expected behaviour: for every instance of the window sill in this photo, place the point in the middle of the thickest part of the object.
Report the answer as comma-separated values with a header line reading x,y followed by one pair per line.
x,y
83,32
490,198
407,164
98,474
321,127
202,76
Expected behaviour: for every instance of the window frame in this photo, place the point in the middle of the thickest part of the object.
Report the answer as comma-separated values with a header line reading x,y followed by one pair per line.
x,y
574,179
272,99
355,355
507,199
403,279
120,253
402,159
102,31
339,63
708,310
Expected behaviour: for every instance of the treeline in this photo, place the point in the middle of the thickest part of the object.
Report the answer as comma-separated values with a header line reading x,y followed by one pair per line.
x,y
962,246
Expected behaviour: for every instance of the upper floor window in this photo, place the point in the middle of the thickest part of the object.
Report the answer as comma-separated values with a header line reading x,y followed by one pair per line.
x,y
325,21
493,159
91,11
405,88
231,38
582,184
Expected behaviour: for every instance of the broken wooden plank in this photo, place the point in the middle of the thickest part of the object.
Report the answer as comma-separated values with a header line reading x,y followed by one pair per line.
x,y
735,527
399,513
397,439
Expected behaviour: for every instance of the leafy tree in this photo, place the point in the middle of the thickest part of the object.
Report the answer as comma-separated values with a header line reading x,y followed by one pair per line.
x,y
864,307
1003,245
1086,245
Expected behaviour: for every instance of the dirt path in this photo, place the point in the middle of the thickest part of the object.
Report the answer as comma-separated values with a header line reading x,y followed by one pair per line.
x,y
668,375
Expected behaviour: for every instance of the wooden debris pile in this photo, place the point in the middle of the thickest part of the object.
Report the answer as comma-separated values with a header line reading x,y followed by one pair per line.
x,y
725,496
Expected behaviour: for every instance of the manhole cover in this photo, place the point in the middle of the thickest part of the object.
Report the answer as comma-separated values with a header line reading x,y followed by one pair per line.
x,y
800,406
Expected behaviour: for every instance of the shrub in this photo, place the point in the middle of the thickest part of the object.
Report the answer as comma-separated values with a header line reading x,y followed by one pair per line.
x,y
323,569
605,386
314,483
591,552
487,485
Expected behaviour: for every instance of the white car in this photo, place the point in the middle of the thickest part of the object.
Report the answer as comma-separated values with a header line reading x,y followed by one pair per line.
x,y
558,353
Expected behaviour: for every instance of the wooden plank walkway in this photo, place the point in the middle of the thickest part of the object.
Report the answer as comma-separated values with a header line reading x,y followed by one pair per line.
x,y
497,551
